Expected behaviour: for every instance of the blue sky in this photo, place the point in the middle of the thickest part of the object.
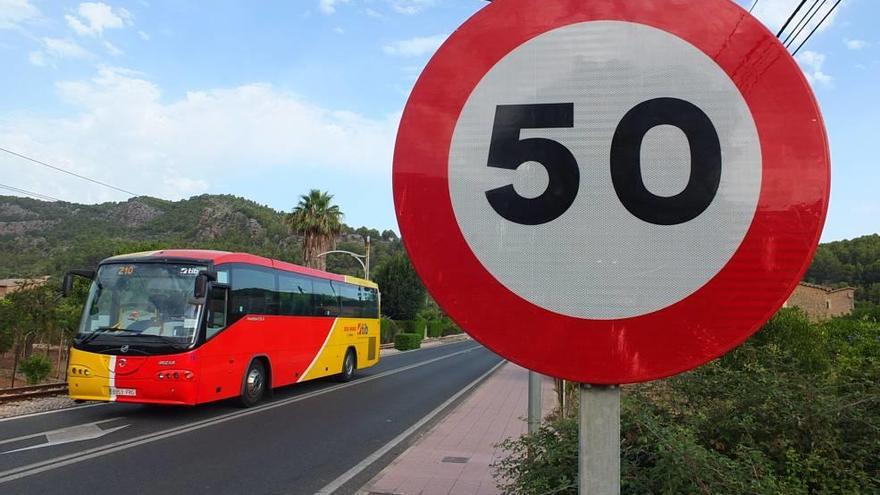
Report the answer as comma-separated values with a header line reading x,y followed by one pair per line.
x,y
268,100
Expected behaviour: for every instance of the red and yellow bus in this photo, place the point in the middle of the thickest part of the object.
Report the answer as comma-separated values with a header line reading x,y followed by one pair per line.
x,y
192,326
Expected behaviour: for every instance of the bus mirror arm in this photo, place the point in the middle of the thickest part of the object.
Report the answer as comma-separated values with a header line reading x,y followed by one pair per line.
x,y
67,283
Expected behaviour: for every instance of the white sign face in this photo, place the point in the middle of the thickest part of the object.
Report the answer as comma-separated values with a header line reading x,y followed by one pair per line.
x,y
572,197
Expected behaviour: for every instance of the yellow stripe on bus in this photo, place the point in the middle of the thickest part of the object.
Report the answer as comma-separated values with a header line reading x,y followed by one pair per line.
x,y
346,333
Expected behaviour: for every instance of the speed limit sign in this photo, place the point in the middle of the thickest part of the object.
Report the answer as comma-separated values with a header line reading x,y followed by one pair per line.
x,y
611,191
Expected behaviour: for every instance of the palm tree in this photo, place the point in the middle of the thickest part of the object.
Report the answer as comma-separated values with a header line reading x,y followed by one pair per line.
x,y
319,222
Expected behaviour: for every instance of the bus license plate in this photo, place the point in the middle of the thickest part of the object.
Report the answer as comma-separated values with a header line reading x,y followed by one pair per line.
x,y
123,391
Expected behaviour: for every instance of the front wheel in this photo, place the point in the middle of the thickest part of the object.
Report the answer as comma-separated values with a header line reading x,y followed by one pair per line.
x,y
254,384
349,364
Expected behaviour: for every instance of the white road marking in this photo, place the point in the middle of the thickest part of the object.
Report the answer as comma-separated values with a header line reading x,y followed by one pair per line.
x,y
364,464
78,433
51,432
77,457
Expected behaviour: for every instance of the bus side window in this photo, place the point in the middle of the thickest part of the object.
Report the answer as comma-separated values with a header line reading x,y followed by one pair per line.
x,y
253,292
295,295
326,298
216,312
371,303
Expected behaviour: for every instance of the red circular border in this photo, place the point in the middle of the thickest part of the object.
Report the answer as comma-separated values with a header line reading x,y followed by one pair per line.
x,y
724,312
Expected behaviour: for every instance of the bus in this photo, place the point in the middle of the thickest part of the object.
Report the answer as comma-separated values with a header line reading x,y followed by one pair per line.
x,y
185,327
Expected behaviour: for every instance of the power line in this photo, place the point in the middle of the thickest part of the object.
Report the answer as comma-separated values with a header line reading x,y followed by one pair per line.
x,y
816,28
67,171
29,193
794,13
796,30
753,6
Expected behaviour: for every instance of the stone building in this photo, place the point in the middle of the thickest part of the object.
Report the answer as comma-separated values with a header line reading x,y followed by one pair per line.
x,y
820,302
8,285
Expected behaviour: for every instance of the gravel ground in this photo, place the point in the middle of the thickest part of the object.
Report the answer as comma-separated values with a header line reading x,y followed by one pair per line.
x,y
38,404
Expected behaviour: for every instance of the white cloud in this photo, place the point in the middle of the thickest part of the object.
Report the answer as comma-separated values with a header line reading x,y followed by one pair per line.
x,y
144,36
338,30
774,13
37,58
811,62
61,48
328,7
112,49
855,44
374,14
410,7
415,46
93,18
14,12
124,133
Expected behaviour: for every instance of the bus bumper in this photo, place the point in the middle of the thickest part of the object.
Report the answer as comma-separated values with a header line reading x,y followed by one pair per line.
x,y
99,377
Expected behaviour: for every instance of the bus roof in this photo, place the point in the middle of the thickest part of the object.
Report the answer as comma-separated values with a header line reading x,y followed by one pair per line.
x,y
224,257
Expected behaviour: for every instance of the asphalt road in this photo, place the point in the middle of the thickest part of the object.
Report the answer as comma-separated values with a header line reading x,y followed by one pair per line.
x,y
307,437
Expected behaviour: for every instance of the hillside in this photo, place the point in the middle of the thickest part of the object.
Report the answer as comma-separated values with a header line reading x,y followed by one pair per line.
x,y
39,237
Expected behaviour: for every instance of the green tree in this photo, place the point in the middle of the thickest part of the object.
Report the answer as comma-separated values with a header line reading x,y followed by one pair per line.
x,y
319,222
403,294
7,320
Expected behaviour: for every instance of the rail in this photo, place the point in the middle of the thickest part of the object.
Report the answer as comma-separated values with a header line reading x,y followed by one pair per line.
x,y
19,393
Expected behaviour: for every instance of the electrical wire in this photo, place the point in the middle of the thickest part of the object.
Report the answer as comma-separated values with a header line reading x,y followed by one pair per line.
x,y
32,194
67,171
816,28
796,30
753,6
788,21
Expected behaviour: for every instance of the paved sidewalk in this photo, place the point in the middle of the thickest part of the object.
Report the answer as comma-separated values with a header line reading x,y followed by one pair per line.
x,y
453,458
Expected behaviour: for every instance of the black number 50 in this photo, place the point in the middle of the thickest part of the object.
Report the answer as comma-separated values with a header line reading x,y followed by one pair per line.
x,y
507,150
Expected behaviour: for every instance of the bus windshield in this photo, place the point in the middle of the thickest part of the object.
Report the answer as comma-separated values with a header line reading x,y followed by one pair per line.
x,y
142,305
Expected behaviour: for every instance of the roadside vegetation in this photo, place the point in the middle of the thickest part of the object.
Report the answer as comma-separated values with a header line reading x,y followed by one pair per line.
x,y
794,410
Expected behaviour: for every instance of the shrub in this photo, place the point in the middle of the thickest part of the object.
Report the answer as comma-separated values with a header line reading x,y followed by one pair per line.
x,y
435,328
388,329
407,341
794,410
411,326
449,328
36,368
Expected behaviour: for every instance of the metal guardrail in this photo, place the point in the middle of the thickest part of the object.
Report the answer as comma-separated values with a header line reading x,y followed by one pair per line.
x,y
18,393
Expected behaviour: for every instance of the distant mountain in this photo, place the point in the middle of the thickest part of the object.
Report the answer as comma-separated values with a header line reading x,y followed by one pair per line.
x,y
48,238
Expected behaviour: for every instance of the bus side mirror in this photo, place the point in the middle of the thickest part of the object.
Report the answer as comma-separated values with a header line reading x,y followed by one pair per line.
x,y
67,284
202,279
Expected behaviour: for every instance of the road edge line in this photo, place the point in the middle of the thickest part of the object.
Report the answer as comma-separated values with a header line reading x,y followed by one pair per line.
x,y
347,476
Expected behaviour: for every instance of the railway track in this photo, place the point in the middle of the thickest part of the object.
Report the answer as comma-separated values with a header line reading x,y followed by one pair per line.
x,y
18,393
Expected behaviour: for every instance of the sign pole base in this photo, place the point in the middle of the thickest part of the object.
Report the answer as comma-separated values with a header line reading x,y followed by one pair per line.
x,y
599,440
534,401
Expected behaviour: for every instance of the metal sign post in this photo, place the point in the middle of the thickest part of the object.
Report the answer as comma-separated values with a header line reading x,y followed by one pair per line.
x,y
599,440
534,401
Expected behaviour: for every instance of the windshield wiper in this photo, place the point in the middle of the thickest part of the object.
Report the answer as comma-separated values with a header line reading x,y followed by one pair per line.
x,y
165,340
100,330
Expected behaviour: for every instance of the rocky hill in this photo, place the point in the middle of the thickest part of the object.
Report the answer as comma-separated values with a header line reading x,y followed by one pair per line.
x,y
39,237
